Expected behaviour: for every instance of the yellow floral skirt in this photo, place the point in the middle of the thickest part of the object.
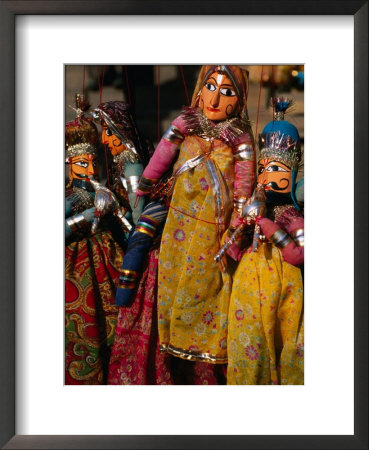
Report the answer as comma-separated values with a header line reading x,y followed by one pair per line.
x,y
266,331
193,293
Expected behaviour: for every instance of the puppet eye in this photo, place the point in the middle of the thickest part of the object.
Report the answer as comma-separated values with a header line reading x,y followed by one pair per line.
x,y
260,170
108,132
210,86
227,92
275,168
81,164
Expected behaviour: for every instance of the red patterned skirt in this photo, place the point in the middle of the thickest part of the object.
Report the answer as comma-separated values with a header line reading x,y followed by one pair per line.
x,y
91,273
135,357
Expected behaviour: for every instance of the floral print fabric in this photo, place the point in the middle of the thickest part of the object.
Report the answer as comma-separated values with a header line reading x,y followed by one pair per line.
x,y
193,292
265,334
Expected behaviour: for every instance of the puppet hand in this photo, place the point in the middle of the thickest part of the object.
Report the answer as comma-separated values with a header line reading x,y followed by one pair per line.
x,y
139,194
293,254
236,221
268,227
234,251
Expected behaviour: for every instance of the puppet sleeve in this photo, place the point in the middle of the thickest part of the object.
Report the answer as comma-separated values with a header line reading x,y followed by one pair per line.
x,y
162,159
244,157
287,233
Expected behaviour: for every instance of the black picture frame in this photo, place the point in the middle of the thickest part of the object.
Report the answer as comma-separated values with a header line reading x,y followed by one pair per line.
x,y
8,12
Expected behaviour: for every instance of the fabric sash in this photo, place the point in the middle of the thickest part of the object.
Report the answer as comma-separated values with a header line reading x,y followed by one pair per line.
x,y
191,164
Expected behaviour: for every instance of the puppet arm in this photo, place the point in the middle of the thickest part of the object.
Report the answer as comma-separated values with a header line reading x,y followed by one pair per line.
x,y
290,242
133,172
244,157
162,158
79,223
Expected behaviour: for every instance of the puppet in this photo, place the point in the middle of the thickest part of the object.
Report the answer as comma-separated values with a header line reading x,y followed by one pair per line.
x,y
265,332
129,151
210,148
92,261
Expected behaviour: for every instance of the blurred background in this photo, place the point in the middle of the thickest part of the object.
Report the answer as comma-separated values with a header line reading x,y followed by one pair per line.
x,y
157,93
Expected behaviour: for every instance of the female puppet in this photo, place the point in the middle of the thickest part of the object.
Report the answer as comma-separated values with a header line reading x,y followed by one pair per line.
x,y
265,333
130,154
213,172
129,150
135,358
92,262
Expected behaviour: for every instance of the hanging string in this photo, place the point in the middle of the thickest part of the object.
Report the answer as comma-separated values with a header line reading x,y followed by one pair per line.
x,y
184,84
158,97
100,81
272,89
169,205
127,85
258,111
106,166
83,81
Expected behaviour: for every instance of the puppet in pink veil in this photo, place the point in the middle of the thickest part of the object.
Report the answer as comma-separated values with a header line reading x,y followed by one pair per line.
x,y
210,150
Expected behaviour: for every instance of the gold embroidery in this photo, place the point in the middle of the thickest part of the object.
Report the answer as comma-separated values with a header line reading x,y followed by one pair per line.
x,y
191,355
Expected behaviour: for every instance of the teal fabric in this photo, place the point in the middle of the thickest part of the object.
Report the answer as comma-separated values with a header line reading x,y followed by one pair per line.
x,y
299,191
134,169
69,204
283,127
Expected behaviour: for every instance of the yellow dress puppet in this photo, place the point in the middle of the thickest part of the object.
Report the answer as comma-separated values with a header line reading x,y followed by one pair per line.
x,y
265,335
214,171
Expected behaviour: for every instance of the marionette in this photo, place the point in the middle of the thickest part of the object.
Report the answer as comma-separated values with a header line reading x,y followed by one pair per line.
x,y
87,200
265,330
209,149
92,258
129,150
81,140
135,359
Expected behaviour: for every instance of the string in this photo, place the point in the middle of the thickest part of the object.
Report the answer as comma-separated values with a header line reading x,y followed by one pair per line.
x,y
184,84
127,84
273,89
106,166
100,82
83,81
189,215
258,111
98,79
158,98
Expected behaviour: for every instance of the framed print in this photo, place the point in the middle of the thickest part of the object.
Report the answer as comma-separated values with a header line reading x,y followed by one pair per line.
x,y
330,410
129,351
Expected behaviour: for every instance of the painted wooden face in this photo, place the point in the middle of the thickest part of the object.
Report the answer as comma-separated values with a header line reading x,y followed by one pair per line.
x,y
274,175
114,144
218,99
83,166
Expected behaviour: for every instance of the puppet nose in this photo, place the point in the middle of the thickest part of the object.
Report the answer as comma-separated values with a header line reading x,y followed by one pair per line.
x,y
215,98
262,179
